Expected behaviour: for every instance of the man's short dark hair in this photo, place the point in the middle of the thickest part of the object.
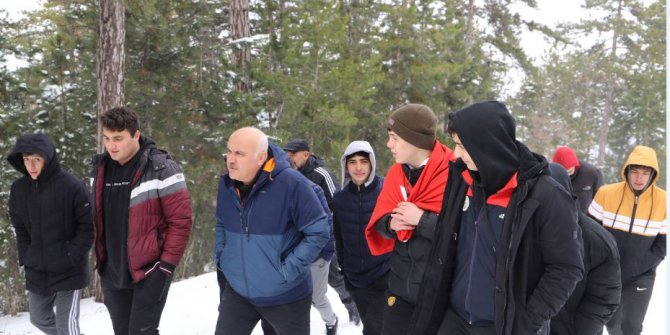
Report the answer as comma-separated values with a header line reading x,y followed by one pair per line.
x,y
120,119
358,153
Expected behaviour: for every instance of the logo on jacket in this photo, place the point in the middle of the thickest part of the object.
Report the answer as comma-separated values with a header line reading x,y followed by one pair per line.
x,y
587,188
466,204
391,301
501,216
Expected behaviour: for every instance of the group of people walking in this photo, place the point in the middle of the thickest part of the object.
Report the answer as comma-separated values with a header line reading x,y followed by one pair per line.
x,y
484,238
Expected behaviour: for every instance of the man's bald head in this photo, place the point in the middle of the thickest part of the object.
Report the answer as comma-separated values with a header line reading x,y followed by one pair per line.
x,y
247,152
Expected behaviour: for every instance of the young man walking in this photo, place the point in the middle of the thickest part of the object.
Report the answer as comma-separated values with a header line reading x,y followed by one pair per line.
x,y
365,275
51,214
586,178
142,217
508,251
598,294
404,218
634,211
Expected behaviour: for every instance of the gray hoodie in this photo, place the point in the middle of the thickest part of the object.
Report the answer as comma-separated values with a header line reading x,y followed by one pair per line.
x,y
354,147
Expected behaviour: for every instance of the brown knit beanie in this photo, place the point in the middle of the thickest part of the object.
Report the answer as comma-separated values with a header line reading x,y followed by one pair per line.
x,y
414,123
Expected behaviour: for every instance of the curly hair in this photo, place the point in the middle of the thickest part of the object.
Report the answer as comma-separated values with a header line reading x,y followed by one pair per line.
x,y
120,119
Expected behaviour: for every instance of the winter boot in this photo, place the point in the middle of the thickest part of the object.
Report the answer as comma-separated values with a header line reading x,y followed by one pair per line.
x,y
354,317
332,329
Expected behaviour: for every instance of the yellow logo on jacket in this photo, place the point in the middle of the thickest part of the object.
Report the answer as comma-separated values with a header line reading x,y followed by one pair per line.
x,y
391,301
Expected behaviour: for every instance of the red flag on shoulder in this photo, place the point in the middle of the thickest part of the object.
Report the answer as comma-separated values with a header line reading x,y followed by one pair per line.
x,y
426,194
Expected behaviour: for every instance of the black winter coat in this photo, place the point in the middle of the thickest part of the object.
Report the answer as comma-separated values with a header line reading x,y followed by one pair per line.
x,y
536,271
53,221
597,296
352,209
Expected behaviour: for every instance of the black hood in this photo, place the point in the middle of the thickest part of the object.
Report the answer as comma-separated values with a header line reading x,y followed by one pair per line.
x,y
487,131
312,163
38,143
561,176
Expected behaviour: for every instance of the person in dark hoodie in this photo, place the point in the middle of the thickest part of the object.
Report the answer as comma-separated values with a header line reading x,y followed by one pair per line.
x,y
365,275
634,211
51,214
586,178
597,295
508,250
404,219
142,220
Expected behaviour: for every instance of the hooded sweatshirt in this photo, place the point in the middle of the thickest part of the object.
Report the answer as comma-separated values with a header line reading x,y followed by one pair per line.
x,y
352,208
636,219
52,220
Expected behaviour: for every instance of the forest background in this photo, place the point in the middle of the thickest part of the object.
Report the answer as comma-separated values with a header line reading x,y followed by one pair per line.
x,y
329,71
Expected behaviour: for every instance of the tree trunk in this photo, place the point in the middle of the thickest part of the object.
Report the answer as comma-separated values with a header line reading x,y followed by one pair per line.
x,y
239,29
111,60
609,100
470,28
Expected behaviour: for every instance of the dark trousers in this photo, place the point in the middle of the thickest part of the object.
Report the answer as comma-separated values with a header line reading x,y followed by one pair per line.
x,y
336,281
137,310
635,296
370,302
453,324
237,316
397,315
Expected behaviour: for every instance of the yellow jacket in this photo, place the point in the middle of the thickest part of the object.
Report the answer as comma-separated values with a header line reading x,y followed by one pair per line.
x,y
638,222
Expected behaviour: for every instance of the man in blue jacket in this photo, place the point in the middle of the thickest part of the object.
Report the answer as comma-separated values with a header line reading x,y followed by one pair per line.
x,y
270,228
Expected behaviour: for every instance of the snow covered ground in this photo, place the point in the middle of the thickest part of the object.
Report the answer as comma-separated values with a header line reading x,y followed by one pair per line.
x,y
192,309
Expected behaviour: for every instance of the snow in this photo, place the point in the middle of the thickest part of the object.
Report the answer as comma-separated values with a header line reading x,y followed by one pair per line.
x,y
192,309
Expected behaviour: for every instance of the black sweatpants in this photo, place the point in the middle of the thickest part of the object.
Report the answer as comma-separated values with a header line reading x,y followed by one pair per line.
x,y
370,302
397,315
238,316
137,310
635,296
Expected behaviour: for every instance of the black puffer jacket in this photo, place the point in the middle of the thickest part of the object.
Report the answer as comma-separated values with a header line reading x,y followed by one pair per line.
x,y
597,295
52,220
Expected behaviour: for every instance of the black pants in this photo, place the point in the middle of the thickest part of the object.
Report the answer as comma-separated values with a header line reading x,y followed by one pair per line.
x,y
370,302
397,315
237,316
137,310
635,296
453,324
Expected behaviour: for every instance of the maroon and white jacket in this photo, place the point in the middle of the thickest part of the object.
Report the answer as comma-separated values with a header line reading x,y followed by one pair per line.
x,y
159,216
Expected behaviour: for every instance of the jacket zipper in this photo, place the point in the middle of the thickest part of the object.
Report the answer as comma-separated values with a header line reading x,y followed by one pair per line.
x,y
632,217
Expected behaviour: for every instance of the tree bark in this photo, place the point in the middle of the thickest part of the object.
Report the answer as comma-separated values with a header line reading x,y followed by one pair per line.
x,y
111,58
110,71
609,100
239,29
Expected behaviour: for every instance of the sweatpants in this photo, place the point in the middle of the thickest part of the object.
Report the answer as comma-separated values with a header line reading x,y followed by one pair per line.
x,y
635,296
320,270
397,315
453,324
137,310
336,281
370,302
239,317
65,321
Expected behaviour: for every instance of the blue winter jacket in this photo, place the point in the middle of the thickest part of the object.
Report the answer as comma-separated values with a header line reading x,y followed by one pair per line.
x,y
265,245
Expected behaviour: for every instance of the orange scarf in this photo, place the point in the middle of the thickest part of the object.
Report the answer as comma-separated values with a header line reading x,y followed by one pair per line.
x,y
426,194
